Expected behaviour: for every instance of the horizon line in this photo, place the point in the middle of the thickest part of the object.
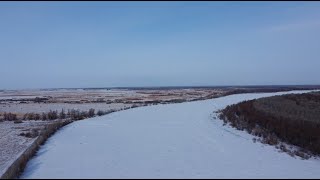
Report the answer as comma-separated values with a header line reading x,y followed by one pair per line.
x,y
165,87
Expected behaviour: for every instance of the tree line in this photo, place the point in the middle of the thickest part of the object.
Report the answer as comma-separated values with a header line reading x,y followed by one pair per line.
x,y
301,133
73,114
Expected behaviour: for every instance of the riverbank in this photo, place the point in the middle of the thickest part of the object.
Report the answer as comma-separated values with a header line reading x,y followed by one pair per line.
x,y
17,150
164,141
16,163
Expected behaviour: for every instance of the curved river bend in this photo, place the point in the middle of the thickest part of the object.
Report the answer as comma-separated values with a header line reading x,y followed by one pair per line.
x,y
164,141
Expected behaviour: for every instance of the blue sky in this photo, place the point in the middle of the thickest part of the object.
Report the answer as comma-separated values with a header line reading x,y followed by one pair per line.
x,y
106,44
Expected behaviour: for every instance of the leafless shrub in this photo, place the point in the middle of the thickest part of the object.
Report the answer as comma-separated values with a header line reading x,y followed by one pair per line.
x,y
254,140
101,113
52,115
9,116
30,134
134,106
18,121
37,117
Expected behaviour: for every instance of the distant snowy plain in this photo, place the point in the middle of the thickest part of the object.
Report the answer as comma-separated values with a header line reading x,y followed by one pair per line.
x,y
165,141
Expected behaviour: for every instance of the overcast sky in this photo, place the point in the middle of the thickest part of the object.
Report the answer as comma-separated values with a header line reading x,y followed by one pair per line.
x,y
107,44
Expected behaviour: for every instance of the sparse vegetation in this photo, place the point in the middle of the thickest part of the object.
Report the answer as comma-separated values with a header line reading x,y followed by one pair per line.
x,y
9,117
18,121
18,166
52,115
134,106
100,113
31,116
30,134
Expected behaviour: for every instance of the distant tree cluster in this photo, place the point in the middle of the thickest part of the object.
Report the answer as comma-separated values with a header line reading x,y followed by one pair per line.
x,y
51,115
101,113
9,117
79,115
33,116
73,114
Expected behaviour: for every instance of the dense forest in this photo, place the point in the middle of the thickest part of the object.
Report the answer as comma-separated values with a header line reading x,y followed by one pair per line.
x,y
291,118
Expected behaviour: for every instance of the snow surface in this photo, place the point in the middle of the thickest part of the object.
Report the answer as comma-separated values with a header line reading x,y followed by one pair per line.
x,y
12,145
165,141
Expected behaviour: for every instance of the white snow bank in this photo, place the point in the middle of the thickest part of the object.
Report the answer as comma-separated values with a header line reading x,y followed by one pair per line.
x,y
164,141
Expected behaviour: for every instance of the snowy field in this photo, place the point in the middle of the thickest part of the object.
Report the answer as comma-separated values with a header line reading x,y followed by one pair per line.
x,y
11,144
164,141
23,101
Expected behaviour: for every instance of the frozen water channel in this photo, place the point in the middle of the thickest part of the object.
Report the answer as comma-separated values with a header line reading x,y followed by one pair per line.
x,y
164,141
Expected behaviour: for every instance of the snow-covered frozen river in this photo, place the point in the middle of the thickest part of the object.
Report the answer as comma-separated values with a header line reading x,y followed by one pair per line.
x,y
164,141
